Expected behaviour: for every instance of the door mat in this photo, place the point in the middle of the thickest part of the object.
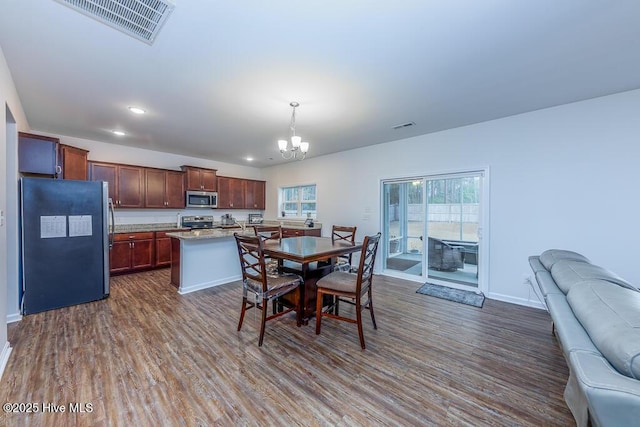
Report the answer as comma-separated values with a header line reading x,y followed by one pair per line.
x,y
456,295
401,263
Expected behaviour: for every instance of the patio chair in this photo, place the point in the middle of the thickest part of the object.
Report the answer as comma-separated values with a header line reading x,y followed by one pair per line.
x,y
445,257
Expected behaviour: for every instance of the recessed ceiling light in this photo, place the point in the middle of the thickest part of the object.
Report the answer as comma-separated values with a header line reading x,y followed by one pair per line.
x,y
249,159
137,110
118,132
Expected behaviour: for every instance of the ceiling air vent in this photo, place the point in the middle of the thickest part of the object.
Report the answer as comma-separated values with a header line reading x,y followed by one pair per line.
x,y
141,19
403,125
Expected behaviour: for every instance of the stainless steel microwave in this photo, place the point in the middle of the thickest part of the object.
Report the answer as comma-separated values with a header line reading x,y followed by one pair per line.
x,y
202,199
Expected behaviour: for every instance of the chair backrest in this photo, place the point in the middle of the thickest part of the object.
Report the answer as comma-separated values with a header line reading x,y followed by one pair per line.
x,y
345,234
367,261
339,232
268,232
252,259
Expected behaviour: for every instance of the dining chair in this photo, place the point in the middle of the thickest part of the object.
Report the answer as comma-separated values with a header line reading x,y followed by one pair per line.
x,y
344,234
351,288
262,285
268,232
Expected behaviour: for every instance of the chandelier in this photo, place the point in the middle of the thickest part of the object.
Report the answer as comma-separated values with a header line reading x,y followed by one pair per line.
x,y
298,149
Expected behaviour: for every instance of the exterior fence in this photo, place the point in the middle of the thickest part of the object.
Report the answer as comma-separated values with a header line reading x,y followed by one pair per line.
x,y
439,212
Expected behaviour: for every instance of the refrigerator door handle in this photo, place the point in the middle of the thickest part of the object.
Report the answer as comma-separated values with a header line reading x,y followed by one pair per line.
x,y
112,232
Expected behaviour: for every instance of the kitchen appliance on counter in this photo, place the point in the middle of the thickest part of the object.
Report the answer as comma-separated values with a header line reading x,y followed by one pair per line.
x,y
197,222
255,219
227,219
202,199
65,241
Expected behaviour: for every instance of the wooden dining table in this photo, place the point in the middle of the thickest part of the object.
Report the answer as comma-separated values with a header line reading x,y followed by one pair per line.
x,y
312,258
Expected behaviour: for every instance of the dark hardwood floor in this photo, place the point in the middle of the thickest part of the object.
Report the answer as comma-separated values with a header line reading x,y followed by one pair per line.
x,y
147,356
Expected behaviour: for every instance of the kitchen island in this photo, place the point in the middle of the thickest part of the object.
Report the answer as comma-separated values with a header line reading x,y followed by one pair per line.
x,y
204,258
201,259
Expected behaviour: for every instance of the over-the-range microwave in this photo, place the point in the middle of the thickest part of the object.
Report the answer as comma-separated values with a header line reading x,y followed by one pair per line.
x,y
202,199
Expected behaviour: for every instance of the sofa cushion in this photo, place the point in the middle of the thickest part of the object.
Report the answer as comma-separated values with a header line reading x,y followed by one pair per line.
x,y
551,256
569,332
568,273
611,316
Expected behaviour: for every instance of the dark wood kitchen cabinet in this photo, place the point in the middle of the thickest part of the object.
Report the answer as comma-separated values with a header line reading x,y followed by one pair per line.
x,y
131,251
200,179
231,193
163,249
298,232
72,162
37,154
163,189
125,183
254,194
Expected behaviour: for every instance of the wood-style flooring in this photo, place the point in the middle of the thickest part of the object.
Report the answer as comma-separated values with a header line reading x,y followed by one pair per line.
x,y
147,356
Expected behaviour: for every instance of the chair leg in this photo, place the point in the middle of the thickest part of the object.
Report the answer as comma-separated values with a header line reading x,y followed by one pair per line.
x,y
373,318
264,320
299,307
244,308
319,297
336,306
359,322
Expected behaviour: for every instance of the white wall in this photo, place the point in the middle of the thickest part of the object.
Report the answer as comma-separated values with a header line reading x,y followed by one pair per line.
x,y
561,177
12,118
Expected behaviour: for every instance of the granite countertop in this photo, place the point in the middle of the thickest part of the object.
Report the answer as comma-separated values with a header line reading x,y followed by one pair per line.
x,y
171,226
211,233
296,225
134,228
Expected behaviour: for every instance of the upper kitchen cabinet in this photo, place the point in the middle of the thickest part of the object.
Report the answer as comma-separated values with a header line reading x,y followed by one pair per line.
x,y
239,193
73,162
200,179
37,154
231,193
163,188
254,194
125,183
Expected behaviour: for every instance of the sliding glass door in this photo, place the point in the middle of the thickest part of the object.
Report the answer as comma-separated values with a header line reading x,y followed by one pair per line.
x,y
453,212
404,226
432,228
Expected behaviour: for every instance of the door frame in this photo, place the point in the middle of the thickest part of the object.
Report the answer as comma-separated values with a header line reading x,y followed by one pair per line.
x,y
483,229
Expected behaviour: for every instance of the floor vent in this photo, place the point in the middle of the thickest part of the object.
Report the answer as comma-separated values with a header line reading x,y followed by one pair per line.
x,y
141,19
403,125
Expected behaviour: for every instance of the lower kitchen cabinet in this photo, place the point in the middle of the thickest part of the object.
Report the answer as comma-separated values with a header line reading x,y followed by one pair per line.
x,y
163,249
297,232
131,251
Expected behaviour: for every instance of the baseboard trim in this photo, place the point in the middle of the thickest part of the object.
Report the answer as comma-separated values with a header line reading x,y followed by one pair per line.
x,y
205,285
514,300
14,317
4,357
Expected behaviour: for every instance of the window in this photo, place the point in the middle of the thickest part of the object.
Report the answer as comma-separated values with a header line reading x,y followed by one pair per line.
x,y
298,201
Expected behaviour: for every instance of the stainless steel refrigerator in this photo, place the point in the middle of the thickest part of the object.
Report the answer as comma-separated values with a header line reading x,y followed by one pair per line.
x,y
65,243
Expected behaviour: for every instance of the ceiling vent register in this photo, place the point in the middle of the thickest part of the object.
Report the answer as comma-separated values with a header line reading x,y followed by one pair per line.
x,y
141,19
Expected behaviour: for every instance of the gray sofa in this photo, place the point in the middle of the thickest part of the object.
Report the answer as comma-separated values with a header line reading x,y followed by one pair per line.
x,y
596,319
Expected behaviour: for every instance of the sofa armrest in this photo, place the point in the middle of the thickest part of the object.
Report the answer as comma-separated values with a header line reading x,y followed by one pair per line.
x,y
613,399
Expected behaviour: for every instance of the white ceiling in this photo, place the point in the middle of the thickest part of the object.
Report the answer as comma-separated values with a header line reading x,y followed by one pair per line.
x,y
218,80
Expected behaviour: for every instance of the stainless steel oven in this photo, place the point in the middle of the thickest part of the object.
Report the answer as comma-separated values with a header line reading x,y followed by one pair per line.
x,y
202,199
